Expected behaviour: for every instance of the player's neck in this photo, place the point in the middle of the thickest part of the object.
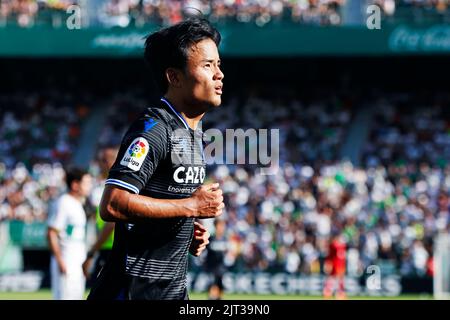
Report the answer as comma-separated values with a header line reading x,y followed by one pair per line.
x,y
190,114
75,195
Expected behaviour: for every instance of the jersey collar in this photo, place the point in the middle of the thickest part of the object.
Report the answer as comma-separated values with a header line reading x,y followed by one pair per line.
x,y
176,112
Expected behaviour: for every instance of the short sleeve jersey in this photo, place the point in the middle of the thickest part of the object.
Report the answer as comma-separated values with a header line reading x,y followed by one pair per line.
x,y
160,157
69,218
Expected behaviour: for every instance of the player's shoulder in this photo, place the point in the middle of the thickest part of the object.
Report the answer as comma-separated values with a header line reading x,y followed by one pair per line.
x,y
65,201
63,198
153,117
156,113
68,198
150,122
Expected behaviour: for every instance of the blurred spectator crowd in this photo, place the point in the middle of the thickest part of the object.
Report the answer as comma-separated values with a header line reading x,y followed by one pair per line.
x,y
27,13
39,132
138,13
421,11
388,210
39,126
389,6
323,12
123,13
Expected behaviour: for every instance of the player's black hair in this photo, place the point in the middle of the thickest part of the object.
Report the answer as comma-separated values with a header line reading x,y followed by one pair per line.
x,y
110,145
74,174
169,47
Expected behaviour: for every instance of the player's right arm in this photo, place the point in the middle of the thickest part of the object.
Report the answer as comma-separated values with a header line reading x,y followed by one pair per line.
x,y
57,221
146,144
121,205
52,237
107,230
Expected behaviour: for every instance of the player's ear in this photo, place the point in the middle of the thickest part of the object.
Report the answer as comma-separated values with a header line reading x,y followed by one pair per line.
x,y
173,77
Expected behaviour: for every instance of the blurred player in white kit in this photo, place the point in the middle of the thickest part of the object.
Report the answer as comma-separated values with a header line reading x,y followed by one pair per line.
x,y
67,237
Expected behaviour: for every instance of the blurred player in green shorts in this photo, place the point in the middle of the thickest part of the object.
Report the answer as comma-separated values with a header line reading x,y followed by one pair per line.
x,y
105,230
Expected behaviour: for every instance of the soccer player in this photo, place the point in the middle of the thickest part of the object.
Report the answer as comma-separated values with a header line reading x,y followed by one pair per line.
x,y
66,237
335,267
154,190
215,257
105,238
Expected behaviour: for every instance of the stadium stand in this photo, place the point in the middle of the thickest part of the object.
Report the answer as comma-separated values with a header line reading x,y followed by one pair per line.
x,y
426,11
365,157
387,210
139,13
40,126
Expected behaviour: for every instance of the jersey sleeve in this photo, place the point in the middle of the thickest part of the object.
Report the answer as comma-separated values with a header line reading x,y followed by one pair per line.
x,y
57,218
142,148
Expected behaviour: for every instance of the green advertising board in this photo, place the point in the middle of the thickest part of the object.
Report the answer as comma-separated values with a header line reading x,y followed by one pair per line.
x,y
28,235
239,40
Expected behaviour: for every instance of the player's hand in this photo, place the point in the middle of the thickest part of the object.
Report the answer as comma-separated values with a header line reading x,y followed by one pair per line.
x,y
86,267
200,239
207,201
62,267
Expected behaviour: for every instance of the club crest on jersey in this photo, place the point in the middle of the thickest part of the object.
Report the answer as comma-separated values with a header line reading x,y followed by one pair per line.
x,y
135,154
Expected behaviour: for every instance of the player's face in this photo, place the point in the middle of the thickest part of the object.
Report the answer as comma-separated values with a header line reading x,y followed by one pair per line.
x,y
85,186
220,228
107,158
202,80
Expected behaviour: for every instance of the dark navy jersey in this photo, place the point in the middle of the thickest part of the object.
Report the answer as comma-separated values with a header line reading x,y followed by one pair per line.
x,y
160,157
215,258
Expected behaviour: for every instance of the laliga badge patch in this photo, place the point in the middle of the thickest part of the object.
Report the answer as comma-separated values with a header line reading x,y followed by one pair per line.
x,y
135,154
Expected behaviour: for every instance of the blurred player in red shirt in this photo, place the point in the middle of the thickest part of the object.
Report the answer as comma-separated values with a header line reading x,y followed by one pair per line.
x,y
335,267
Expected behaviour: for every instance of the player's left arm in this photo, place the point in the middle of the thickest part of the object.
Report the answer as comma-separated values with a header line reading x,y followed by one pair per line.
x,y
200,239
107,230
